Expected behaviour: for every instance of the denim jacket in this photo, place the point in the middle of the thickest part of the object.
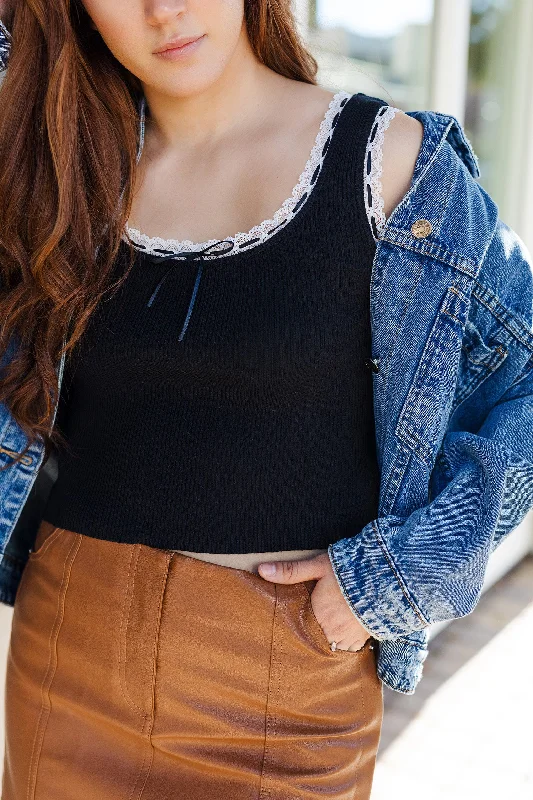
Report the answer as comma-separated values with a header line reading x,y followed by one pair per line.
x,y
451,303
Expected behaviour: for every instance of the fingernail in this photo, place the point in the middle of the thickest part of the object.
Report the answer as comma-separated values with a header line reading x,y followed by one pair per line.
x,y
267,569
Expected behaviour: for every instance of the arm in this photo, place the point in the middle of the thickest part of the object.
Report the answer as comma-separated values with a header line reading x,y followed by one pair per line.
x,y
401,145
400,575
392,150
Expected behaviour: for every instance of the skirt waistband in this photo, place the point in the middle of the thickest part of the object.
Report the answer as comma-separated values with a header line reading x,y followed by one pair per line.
x,y
244,561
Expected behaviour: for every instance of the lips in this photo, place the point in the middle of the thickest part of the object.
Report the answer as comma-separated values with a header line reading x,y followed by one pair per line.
x,y
179,41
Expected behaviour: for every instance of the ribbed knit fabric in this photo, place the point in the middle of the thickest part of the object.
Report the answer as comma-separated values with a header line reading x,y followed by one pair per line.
x,y
255,431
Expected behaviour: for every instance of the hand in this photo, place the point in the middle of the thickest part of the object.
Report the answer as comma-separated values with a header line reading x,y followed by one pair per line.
x,y
330,607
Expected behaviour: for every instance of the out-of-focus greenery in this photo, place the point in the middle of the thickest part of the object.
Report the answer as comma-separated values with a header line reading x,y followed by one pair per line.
x,y
485,18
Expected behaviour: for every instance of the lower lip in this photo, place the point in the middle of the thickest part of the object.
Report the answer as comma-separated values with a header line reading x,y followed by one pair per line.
x,y
175,53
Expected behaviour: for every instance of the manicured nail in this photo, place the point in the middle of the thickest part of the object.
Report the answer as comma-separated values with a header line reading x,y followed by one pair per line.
x,y
267,569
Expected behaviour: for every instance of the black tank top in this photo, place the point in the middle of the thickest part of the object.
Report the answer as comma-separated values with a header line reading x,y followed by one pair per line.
x,y
225,405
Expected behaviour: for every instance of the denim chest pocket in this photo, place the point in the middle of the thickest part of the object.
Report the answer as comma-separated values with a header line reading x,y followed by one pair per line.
x,y
480,357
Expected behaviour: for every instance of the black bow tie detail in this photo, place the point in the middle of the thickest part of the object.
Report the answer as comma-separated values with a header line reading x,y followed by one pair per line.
x,y
195,255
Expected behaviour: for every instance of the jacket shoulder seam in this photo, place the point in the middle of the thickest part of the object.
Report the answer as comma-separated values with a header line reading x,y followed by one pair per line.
x,y
433,250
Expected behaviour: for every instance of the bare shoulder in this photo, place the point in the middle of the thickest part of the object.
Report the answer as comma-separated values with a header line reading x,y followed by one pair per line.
x,y
307,94
401,145
303,104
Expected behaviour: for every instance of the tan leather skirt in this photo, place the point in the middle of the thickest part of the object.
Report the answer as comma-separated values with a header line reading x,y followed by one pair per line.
x,y
142,673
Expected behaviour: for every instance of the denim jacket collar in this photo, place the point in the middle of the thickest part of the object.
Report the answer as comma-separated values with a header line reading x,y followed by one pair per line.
x,y
439,127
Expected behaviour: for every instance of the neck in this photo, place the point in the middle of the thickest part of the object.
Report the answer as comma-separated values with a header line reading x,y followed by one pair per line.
x,y
236,97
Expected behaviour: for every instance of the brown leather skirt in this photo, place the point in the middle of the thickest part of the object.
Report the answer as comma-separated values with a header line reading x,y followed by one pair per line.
x,y
136,672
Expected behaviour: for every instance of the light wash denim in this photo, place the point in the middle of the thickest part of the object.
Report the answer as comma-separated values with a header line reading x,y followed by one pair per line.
x,y
452,353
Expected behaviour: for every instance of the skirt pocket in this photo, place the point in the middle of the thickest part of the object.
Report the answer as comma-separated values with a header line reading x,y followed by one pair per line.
x,y
317,632
47,534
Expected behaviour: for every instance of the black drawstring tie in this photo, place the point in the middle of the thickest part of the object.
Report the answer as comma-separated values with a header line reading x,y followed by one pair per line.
x,y
196,255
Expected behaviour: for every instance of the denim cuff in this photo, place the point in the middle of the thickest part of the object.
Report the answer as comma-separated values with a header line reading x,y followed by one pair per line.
x,y
400,663
372,586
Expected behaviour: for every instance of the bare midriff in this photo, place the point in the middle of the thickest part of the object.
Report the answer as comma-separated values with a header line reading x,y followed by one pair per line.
x,y
250,561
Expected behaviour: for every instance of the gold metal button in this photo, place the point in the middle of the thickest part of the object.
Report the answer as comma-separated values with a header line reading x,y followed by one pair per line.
x,y
421,228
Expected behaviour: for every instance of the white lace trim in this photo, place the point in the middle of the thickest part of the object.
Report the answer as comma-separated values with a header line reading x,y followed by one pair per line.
x,y
267,228
373,170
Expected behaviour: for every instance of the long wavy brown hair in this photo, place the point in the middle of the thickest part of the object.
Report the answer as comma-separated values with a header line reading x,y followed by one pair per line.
x,y
68,145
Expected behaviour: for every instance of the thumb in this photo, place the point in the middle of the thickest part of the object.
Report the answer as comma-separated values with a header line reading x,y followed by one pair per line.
x,y
293,571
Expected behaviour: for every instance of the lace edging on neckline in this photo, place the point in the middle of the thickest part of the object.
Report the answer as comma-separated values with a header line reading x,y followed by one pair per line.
x,y
289,208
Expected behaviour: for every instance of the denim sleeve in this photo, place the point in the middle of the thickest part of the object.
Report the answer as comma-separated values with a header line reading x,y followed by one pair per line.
x,y
401,574
5,45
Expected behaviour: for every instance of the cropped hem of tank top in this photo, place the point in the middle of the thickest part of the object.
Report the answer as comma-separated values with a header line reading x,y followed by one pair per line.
x,y
221,400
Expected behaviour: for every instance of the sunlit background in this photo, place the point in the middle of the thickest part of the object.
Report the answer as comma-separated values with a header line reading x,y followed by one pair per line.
x,y
465,733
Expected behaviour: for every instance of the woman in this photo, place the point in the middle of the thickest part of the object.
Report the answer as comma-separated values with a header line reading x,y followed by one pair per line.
x,y
215,414
232,118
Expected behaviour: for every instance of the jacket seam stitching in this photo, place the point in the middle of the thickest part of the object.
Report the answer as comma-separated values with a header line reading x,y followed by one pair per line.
x,y
436,251
438,147
500,316
397,574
